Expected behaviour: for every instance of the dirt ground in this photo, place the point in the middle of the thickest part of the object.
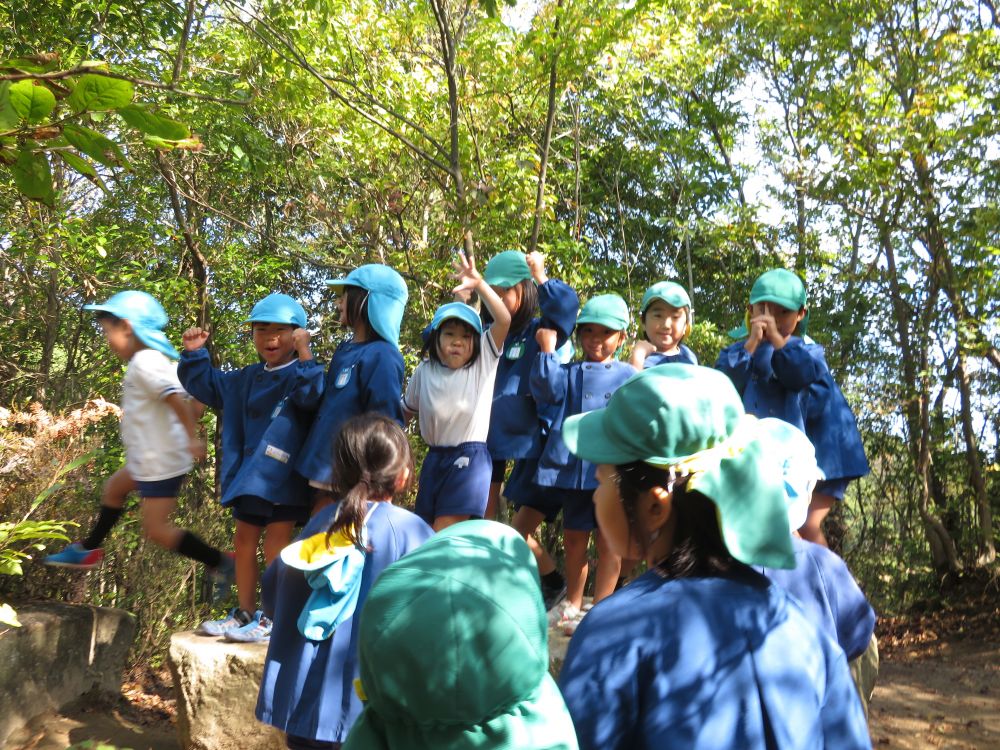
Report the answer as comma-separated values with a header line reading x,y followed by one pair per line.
x,y
938,687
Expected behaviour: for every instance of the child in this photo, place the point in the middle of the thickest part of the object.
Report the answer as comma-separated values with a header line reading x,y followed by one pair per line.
x,y
453,650
782,373
366,372
452,391
561,391
317,586
266,412
666,321
701,651
159,432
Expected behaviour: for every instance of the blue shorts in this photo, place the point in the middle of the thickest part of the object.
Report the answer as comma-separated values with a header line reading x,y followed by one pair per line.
x,y
833,487
577,507
257,511
170,487
454,481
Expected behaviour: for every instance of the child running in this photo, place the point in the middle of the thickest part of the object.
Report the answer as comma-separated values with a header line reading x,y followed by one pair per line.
x,y
562,390
159,432
451,391
782,373
366,372
666,321
317,586
266,412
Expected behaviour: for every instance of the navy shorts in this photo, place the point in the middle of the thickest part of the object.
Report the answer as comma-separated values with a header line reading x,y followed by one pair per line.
x,y
833,487
454,481
257,511
577,507
161,487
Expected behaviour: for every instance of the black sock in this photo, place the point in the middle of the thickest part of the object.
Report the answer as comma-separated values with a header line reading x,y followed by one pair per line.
x,y
553,580
106,519
191,546
243,616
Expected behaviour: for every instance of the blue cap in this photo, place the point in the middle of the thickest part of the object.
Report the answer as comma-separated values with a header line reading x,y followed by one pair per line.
x,y
146,316
458,310
278,308
799,469
386,297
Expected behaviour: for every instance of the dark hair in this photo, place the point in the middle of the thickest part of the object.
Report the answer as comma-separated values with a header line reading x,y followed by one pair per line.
x,y
431,345
357,311
526,311
698,549
107,317
369,454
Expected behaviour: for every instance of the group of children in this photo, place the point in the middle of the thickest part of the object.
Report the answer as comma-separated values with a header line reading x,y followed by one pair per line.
x,y
499,407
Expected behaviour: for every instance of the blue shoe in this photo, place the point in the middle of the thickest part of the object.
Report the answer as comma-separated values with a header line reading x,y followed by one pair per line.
x,y
223,577
76,556
236,618
255,631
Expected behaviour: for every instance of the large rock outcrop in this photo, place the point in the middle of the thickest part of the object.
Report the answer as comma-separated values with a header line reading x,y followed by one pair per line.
x,y
216,683
61,652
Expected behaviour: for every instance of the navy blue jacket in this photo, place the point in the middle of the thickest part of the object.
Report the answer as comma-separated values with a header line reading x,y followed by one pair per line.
x,y
361,378
515,430
562,391
685,357
265,419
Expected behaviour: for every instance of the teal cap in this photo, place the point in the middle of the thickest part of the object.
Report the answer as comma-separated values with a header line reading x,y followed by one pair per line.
x,y
507,269
146,316
608,310
690,420
666,291
387,297
459,311
781,287
799,469
278,308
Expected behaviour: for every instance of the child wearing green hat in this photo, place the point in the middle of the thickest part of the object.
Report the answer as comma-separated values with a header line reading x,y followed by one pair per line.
x,y
696,652
782,373
451,392
565,483
665,314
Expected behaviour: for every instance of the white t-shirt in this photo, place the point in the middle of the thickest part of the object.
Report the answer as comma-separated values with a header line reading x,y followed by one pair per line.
x,y
156,444
454,405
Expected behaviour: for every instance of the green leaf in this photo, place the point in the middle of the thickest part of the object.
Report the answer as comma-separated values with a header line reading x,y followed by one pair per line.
x,y
9,119
8,616
94,93
82,166
33,176
98,147
32,102
142,118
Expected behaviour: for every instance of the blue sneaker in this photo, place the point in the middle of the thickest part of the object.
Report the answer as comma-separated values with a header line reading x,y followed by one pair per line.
x,y
223,577
255,631
236,618
76,556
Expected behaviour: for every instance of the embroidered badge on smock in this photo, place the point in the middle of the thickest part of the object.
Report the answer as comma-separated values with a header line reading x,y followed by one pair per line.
x,y
516,351
343,378
276,453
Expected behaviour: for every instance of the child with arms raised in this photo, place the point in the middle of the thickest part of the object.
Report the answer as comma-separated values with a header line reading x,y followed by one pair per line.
x,y
451,392
159,430
266,412
665,314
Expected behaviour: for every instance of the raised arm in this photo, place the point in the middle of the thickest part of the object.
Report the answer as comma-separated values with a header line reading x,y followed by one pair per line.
x,y
470,279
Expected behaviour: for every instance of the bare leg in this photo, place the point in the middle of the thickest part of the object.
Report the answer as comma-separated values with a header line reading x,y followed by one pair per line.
x,y
443,522
609,567
116,489
577,566
246,542
277,536
156,524
820,506
525,522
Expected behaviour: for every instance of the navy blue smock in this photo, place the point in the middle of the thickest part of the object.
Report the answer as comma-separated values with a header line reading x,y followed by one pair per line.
x,y
515,431
685,357
307,688
562,391
829,596
266,415
362,377
721,663
794,384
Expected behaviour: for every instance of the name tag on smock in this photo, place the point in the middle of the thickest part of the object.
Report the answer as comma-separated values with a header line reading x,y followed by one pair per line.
x,y
343,378
276,453
516,351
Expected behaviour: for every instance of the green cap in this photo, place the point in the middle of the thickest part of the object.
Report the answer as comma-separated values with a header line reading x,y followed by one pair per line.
x,y
667,291
608,310
507,269
690,420
453,648
781,287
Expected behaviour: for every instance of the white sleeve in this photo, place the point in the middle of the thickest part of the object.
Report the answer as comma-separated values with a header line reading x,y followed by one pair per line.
x,y
488,349
411,399
156,374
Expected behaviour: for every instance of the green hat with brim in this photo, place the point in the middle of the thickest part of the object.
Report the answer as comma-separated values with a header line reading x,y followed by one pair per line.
x,y
665,291
507,269
608,310
782,287
690,420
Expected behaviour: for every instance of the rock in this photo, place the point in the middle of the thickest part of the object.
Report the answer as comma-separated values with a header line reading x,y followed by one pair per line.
x,y
62,652
216,683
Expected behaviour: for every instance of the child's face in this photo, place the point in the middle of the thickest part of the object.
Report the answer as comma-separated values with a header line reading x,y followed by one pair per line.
x,y
785,320
510,296
610,513
274,343
341,305
454,344
121,340
599,343
665,325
